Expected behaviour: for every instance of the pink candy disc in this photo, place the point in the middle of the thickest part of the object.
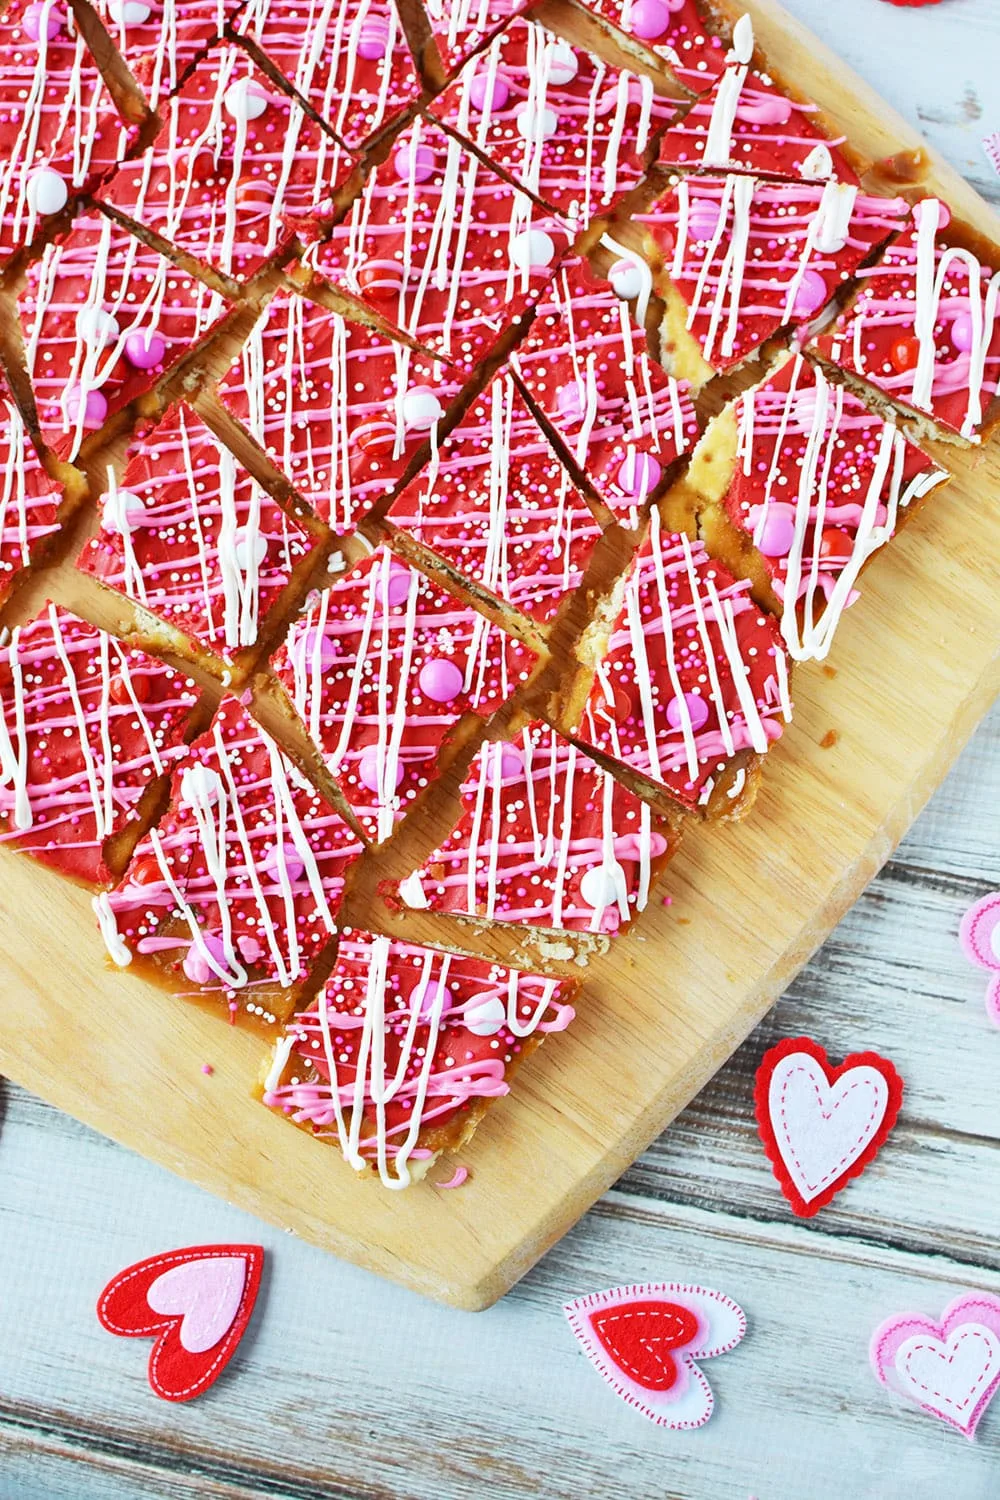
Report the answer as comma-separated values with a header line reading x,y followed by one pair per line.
x,y
441,680
962,333
778,532
145,350
94,406
414,166
697,711
368,769
32,22
289,859
569,401
650,19
397,589
703,219
373,39
434,1001
486,99
638,475
511,763
810,296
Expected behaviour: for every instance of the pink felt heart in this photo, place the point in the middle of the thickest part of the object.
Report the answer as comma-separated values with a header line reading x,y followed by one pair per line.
x,y
205,1295
979,936
950,1369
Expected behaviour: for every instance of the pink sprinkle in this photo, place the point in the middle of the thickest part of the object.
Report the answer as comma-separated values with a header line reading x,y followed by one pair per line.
x,y
459,1176
207,1068
667,901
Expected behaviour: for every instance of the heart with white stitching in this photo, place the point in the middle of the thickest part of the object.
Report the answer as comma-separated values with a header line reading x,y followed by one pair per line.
x,y
949,1369
822,1125
644,1341
195,1303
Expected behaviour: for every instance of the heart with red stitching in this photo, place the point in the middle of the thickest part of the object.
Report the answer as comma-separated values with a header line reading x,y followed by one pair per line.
x,y
195,1303
822,1125
644,1342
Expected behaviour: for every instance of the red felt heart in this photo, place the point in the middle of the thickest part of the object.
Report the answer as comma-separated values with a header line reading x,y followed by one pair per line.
x,y
639,1339
822,1125
195,1302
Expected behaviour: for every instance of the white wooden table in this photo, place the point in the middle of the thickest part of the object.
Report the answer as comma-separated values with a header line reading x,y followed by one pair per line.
x,y
346,1386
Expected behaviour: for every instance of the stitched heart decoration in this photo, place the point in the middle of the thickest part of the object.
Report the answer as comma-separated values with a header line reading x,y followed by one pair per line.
x,y
979,936
644,1341
950,1369
196,1303
822,1125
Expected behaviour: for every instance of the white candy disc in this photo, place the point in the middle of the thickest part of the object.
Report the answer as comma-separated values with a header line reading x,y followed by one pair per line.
x,y
47,191
129,12
200,786
244,100
532,247
484,1015
626,278
123,512
249,549
97,328
537,124
421,408
563,65
600,886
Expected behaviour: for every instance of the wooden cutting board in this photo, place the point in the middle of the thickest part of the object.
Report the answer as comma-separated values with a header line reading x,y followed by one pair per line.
x,y
917,662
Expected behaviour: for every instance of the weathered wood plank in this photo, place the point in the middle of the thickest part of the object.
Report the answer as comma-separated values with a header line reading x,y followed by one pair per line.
x,y
348,1387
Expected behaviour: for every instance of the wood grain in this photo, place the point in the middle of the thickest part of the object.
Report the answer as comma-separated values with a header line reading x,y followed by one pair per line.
x,y
918,664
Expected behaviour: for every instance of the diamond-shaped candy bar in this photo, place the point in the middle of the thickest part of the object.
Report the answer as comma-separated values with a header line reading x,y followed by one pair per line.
x,y
405,1048
381,668
443,246
30,501
340,408
237,888
564,124
160,39
695,672
348,58
924,328
86,726
675,30
194,541
546,839
102,316
235,158
802,469
501,508
745,258
586,363
59,128
745,123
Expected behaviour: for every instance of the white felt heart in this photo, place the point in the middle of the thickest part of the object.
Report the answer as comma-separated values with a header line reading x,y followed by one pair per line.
x,y
950,1375
205,1294
821,1128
